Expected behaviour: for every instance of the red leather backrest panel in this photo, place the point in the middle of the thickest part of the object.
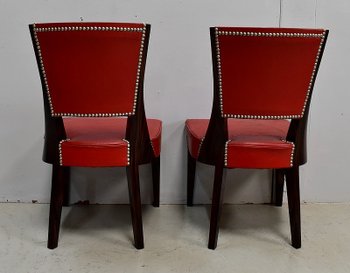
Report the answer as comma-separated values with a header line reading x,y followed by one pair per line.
x,y
266,71
90,68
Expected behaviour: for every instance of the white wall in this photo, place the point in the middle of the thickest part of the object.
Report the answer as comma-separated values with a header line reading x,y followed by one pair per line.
x,y
178,85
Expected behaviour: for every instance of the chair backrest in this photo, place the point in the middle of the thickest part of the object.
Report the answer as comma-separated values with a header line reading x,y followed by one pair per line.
x,y
91,69
265,73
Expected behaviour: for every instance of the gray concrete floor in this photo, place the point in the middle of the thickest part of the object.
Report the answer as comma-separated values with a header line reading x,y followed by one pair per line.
x,y
253,238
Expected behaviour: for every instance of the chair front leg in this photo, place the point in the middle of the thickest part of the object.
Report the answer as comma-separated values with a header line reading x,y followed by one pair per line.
x,y
57,196
66,198
135,204
293,192
155,179
277,187
191,173
216,206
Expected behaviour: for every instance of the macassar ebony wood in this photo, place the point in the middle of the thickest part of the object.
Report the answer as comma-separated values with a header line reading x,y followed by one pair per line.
x,y
156,180
56,202
216,206
277,187
191,174
66,182
212,150
292,181
140,152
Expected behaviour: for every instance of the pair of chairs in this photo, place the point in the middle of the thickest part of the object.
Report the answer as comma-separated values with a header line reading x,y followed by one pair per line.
x,y
92,79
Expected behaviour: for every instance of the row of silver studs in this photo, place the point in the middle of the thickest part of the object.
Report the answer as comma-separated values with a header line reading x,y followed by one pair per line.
x,y
292,152
154,151
87,28
60,150
313,72
289,142
139,68
128,151
271,34
64,140
262,34
42,68
200,146
225,156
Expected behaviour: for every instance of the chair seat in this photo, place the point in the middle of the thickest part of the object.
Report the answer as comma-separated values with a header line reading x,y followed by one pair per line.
x,y
100,142
251,143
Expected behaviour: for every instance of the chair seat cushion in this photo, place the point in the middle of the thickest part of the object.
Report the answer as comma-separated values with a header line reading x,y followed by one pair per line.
x,y
251,143
100,142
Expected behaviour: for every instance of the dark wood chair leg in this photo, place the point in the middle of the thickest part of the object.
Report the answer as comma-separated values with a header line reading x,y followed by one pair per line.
x,y
216,206
66,186
293,193
277,187
135,204
57,196
155,177
191,173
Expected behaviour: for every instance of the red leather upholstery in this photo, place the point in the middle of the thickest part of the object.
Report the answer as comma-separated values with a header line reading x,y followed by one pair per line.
x,y
252,143
98,142
281,69
97,69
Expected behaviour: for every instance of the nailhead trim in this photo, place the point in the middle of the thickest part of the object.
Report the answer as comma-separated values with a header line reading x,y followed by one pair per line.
x,y
128,151
263,34
225,156
89,28
64,140
60,150
292,152
270,34
154,151
200,145
289,142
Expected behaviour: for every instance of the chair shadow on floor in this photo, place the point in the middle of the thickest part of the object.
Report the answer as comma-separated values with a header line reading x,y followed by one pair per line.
x,y
243,219
103,221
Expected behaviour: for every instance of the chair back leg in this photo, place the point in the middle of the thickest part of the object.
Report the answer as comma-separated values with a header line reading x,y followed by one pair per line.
x,y
66,198
135,204
277,187
59,174
155,179
191,174
292,179
216,206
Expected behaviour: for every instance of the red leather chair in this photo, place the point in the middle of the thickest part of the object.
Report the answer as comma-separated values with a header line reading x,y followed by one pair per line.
x,y
92,80
263,81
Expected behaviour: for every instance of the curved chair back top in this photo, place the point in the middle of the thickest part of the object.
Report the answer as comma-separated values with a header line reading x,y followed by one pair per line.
x,y
91,69
265,73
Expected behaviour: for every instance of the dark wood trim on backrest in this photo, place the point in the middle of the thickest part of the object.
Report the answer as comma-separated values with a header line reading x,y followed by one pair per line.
x,y
297,132
212,149
137,131
54,128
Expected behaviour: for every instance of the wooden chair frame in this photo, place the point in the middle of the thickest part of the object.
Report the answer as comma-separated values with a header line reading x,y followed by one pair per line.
x,y
212,152
141,152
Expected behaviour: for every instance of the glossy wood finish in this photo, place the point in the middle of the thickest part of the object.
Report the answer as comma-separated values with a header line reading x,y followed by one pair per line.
x,y
216,207
277,187
135,204
141,152
156,180
66,198
191,174
212,152
292,179
56,202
